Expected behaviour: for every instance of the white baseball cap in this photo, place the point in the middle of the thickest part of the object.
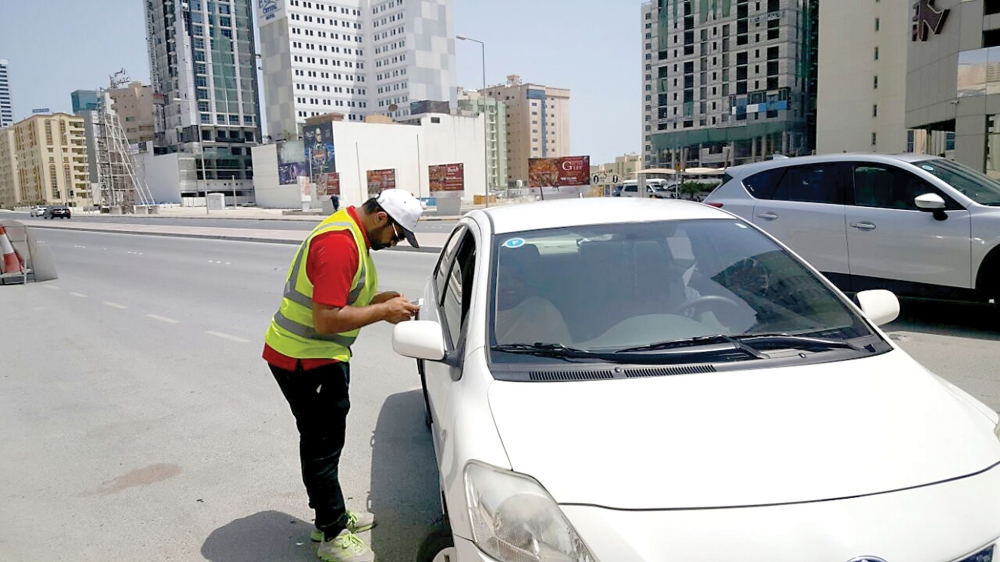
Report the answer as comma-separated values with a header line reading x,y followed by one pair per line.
x,y
404,209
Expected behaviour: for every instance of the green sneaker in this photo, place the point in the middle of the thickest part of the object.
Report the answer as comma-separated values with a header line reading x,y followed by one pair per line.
x,y
345,547
357,522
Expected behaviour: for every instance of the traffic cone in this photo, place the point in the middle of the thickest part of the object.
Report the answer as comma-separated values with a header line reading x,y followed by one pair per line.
x,y
11,261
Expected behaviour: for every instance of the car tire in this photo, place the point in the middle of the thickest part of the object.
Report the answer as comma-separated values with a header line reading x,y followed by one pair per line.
x,y
438,545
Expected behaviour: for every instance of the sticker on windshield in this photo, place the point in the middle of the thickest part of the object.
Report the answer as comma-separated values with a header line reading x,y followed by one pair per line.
x,y
514,243
741,225
927,167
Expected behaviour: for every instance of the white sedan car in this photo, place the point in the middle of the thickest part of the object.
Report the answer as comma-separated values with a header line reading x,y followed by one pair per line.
x,y
628,380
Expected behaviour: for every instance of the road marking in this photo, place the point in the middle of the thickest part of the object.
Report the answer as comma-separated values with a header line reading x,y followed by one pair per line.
x,y
53,287
227,337
81,295
163,319
115,305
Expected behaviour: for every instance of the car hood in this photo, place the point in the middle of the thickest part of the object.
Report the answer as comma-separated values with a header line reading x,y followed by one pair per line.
x,y
743,438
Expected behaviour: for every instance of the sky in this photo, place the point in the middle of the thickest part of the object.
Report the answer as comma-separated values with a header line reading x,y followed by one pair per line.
x,y
592,47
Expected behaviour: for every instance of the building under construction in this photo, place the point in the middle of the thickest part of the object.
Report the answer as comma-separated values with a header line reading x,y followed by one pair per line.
x,y
120,189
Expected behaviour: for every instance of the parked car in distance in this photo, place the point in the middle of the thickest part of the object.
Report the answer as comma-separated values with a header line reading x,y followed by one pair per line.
x,y
918,225
58,211
646,381
37,211
655,188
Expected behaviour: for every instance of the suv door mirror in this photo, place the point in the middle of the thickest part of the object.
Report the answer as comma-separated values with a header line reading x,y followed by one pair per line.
x,y
929,202
880,306
419,339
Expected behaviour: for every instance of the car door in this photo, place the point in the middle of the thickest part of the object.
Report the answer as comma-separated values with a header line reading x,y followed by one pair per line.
x,y
889,238
453,291
805,211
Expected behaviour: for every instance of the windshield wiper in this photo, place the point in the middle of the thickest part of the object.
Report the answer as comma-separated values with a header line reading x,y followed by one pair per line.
x,y
751,344
557,350
694,342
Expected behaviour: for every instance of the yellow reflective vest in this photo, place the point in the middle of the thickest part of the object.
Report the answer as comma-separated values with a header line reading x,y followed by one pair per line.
x,y
292,332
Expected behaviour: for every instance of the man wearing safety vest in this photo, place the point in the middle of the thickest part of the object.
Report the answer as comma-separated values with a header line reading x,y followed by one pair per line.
x,y
331,293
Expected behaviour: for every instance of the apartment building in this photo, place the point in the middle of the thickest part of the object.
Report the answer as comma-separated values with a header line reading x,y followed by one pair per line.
x,y
537,119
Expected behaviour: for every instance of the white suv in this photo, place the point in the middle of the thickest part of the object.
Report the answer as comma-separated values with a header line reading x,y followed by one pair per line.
x,y
914,224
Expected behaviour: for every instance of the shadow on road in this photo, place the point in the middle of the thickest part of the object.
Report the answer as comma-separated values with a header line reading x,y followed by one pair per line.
x,y
268,535
967,320
404,479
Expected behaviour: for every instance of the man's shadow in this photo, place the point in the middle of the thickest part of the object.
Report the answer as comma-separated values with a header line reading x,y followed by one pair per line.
x,y
268,535
404,479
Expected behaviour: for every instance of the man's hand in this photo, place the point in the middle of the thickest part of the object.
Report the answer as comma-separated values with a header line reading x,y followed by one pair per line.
x,y
385,297
398,309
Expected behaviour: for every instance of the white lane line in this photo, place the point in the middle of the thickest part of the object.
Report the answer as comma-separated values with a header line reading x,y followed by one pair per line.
x,y
53,287
227,337
115,305
163,319
81,295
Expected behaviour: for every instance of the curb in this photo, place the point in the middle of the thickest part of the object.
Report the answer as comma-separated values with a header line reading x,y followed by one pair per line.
x,y
423,250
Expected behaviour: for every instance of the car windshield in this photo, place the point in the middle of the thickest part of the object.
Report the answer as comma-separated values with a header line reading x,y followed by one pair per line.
x,y
974,185
607,288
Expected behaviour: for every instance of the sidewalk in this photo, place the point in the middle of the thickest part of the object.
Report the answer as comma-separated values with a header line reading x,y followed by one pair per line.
x,y
430,242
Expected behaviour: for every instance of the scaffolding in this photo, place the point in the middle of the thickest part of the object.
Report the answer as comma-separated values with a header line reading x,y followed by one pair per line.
x,y
120,187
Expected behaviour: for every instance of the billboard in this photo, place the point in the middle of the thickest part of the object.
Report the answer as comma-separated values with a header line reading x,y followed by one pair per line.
x,y
447,180
328,185
269,11
291,162
319,149
565,172
380,180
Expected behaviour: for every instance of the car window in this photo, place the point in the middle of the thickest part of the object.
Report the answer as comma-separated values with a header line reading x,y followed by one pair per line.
x,y
446,259
974,185
762,184
817,183
607,287
458,289
889,187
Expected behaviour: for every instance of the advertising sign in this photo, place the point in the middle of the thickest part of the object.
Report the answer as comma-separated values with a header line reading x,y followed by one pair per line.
x,y
305,190
380,180
447,180
328,185
565,172
269,11
319,149
291,162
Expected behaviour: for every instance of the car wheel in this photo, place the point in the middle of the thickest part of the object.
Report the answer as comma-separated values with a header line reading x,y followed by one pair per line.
x,y
438,545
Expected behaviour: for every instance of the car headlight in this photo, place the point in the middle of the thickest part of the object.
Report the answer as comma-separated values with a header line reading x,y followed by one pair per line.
x,y
515,520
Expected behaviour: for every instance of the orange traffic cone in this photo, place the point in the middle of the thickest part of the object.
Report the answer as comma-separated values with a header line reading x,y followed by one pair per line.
x,y
11,261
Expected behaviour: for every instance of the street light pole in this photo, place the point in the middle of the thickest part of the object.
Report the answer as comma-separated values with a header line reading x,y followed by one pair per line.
x,y
486,119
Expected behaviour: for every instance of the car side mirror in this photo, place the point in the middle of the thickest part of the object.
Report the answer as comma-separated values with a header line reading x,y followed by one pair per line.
x,y
929,202
419,339
879,306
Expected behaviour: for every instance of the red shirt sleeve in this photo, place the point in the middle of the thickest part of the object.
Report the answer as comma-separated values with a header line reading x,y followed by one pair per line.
x,y
331,265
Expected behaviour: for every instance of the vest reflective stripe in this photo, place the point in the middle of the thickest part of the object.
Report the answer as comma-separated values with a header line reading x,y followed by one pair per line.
x,y
307,332
292,332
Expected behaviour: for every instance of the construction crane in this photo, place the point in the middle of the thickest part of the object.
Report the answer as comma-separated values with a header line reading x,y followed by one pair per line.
x,y
120,187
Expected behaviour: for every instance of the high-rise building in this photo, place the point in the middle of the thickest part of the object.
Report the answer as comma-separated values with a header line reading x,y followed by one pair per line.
x,y
728,81
203,70
10,189
355,57
84,100
537,123
6,102
135,109
50,165
496,132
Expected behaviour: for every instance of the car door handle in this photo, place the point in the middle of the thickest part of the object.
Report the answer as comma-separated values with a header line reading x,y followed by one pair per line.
x,y
769,216
863,225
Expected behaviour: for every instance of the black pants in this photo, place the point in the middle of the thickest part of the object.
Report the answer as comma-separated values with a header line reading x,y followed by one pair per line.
x,y
319,402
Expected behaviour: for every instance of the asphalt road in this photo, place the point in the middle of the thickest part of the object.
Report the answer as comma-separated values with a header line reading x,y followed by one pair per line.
x,y
263,224
137,420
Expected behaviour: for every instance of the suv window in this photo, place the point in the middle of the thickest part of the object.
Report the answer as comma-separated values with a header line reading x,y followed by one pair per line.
x,y
888,187
762,185
817,183
458,289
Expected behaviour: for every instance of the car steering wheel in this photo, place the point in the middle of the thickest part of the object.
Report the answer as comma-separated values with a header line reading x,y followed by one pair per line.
x,y
707,300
